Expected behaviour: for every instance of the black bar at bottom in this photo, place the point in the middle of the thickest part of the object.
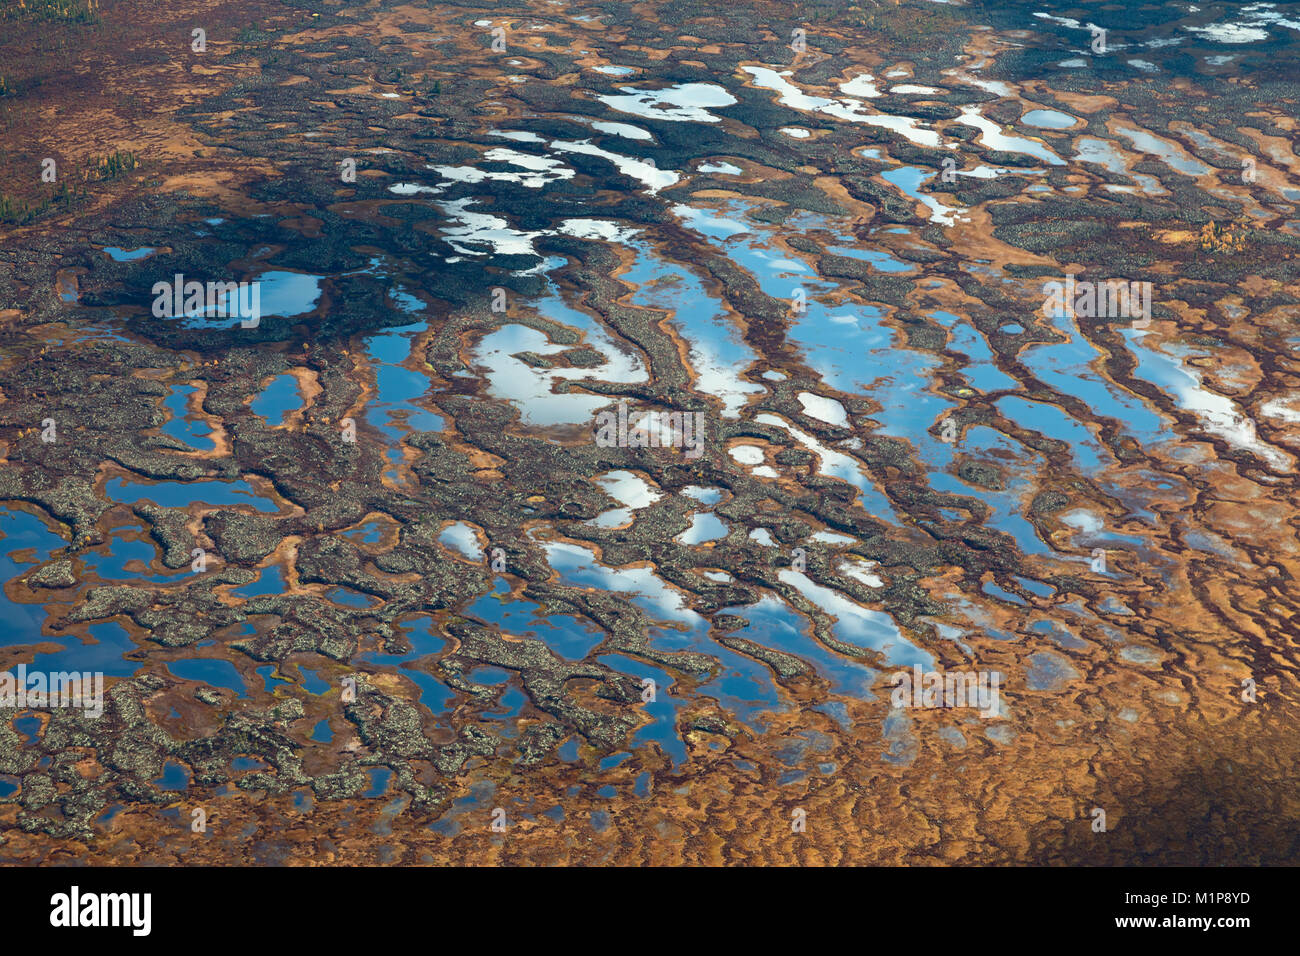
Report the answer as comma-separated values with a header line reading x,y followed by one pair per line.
x,y
326,905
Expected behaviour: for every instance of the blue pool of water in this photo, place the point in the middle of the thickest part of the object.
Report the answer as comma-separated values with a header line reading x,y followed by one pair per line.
x,y
351,598
1052,422
182,494
269,681
210,671
662,728
878,259
175,776
981,371
312,683
193,432
394,411
110,642
278,399
110,564
566,634
772,623
20,532
269,581
118,254
434,694
372,532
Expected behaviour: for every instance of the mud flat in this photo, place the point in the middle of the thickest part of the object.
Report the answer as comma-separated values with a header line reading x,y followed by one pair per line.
x,y
361,573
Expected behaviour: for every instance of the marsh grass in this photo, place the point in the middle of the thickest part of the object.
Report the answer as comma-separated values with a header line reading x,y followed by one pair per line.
x,y
15,211
51,11
885,18
113,165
